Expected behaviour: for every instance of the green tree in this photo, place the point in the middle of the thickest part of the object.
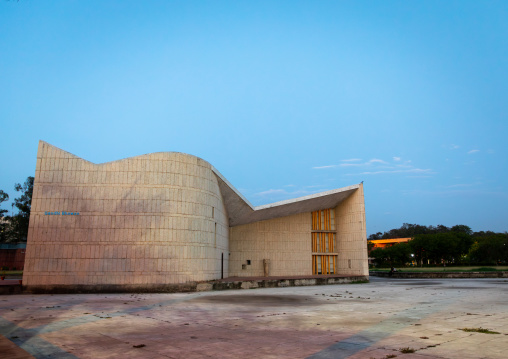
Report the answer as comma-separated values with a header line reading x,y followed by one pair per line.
x,y
4,221
370,246
491,249
3,197
380,257
399,254
23,203
435,248
460,228
375,236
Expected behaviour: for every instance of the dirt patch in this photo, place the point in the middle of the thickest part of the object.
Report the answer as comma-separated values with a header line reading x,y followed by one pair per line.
x,y
260,300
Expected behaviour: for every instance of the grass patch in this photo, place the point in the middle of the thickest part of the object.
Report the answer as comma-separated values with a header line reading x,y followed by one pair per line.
x,y
445,269
407,350
484,269
479,330
11,272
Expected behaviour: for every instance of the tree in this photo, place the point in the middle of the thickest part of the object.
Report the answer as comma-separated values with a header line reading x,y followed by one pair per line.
x,y
3,197
379,255
492,249
4,223
460,228
398,254
370,245
375,236
411,230
438,247
23,203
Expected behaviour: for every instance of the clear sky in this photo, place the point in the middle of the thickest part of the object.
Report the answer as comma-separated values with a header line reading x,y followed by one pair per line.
x,y
284,98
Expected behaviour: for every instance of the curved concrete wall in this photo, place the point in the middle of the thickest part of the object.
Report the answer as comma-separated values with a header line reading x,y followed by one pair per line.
x,y
148,220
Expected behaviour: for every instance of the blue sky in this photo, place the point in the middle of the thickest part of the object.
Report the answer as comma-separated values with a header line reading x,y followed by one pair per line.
x,y
284,98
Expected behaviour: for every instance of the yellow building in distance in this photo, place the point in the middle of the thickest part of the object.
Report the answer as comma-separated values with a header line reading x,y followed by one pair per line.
x,y
381,243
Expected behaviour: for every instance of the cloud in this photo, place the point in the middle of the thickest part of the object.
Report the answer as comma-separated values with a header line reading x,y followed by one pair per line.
x,y
411,170
368,163
459,185
454,147
462,185
272,192
351,164
404,165
315,186
376,166
347,163
323,167
472,151
273,195
456,192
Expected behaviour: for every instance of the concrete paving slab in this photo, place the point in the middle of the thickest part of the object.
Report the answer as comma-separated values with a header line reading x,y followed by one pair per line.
x,y
373,320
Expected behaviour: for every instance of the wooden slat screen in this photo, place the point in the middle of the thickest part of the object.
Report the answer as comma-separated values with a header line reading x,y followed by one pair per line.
x,y
323,241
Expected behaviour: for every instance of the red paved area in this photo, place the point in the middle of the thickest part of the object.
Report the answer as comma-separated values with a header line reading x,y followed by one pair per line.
x,y
371,320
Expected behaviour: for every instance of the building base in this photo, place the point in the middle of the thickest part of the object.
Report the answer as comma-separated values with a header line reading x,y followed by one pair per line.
x,y
222,284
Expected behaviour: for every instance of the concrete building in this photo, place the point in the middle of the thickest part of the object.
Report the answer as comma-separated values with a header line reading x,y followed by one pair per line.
x,y
171,218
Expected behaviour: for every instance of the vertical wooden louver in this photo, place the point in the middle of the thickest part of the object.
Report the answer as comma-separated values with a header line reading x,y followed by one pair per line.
x,y
324,258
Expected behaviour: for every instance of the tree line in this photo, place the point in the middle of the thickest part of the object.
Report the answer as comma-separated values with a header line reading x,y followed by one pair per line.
x,y
14,228
438,245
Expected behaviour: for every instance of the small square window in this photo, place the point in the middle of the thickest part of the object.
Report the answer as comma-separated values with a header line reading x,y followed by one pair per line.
x,y
248,262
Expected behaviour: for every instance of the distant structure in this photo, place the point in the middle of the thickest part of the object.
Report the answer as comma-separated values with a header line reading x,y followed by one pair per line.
x,y
171,218
12,256
381,243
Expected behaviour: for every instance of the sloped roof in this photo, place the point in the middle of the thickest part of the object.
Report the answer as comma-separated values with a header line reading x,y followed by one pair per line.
x,y
241,211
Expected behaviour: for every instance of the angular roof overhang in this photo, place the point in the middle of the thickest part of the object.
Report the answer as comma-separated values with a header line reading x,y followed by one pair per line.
x,y
240,211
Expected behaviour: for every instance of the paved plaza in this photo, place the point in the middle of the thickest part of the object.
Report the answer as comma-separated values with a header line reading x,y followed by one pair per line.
x,y
374,320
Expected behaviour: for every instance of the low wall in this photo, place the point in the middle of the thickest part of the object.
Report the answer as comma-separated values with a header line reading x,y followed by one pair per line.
x,y
278,283
10,286
12,256
193,286
402,274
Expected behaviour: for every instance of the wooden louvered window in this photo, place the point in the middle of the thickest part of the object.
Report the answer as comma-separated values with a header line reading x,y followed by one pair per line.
x,y
324,257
